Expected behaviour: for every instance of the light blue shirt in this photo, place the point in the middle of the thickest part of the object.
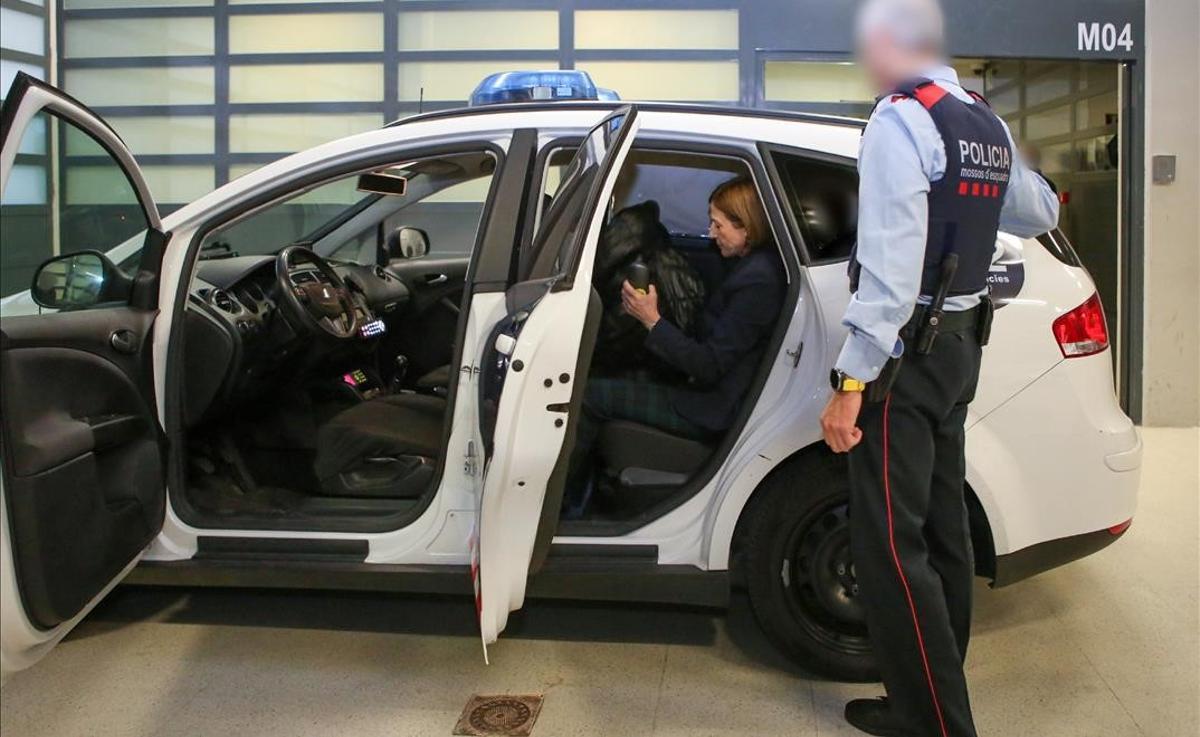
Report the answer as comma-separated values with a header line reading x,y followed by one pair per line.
x,y
901,153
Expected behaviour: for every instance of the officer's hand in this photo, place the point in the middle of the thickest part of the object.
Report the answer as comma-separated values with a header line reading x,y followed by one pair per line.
x,y
642,305
839,421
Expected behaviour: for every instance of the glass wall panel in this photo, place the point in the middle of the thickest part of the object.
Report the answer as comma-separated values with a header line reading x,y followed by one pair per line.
x,y
106,184
1097,76
309,33
1006,101
97,4
9,69
667,80
22,32
1098,111
1052,85
1055,122
26,185
656,29
127,37
478,30
141,85
454,80
804,81
287,133
157,134
1058,158
306,83
1098,153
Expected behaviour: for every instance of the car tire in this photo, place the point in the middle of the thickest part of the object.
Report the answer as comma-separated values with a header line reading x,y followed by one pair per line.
x,y
794,552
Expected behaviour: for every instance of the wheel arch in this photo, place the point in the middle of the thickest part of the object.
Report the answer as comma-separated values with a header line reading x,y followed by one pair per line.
x,y
729,549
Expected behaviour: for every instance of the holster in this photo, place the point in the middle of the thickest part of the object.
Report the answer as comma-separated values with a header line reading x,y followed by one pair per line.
x,y
987,310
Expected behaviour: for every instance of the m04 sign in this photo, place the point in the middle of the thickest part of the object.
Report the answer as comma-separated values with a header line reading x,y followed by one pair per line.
x,y
1096,36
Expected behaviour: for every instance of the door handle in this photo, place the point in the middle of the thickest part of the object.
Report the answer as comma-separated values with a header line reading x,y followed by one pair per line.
x,y
123,341
434,279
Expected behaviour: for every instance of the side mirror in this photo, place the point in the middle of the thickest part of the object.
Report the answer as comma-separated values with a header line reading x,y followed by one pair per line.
x,y
407,242
79,280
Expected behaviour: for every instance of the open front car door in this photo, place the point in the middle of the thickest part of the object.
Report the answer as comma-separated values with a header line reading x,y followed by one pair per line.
x,y
82,492
534,367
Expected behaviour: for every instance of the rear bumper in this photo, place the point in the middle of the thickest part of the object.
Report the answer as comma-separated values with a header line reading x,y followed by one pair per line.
x,y
1042,557
1055,467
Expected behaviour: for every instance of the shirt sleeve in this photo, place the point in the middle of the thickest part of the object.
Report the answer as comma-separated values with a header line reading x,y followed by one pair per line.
x,y
1030,204
893,222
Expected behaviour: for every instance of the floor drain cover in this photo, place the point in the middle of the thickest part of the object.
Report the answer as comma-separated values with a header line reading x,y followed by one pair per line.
x,y
507,715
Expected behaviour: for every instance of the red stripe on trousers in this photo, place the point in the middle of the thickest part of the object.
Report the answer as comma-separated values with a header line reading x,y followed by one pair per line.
x,y
887,492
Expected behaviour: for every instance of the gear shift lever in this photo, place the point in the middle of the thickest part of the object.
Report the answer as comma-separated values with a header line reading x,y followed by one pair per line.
x,y
399,374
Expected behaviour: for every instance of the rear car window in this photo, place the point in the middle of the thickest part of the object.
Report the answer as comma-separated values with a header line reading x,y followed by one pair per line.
x,y
1057,244
822,197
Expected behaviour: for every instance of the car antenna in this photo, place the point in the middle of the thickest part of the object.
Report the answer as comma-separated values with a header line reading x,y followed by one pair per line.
x,y
421,101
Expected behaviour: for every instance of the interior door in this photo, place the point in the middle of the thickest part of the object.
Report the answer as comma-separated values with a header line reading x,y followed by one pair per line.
x,y
533,374
82,484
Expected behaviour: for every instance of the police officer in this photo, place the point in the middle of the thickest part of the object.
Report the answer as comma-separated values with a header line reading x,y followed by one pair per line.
x,y
937,178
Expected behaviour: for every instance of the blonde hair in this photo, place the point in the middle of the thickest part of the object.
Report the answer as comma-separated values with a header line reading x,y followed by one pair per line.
x,y
738,200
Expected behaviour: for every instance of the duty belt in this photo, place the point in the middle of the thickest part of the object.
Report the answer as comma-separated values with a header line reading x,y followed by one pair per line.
x,y
950,322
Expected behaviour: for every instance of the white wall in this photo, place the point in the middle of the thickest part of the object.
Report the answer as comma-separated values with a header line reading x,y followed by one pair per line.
x,y
1171,377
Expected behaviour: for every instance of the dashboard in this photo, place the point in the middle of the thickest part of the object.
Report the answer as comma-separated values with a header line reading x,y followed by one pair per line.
x,y
239,343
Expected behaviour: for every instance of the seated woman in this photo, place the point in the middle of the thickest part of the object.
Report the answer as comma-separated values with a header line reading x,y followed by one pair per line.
x,y
719,360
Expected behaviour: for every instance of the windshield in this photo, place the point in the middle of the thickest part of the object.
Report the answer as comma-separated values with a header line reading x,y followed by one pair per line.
x,y
349,219
299,219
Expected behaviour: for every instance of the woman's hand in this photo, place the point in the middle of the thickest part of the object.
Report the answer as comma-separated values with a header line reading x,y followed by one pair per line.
x,y
643,307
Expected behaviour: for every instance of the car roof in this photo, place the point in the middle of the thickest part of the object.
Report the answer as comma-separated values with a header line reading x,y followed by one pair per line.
x,y
667,107
823,133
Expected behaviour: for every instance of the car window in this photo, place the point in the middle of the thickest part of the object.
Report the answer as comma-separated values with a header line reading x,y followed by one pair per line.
x,y
680,183
450,217
564,213
442,196
293,220
822,199
78,199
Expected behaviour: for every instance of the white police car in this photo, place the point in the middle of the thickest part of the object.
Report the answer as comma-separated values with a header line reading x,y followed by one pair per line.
x,y
360,367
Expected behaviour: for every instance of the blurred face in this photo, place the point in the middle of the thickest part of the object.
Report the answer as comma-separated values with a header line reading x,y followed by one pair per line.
x,y
885,63
731,238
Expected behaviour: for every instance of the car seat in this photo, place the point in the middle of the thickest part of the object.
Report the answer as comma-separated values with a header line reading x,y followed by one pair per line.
x,y
639,456
384,447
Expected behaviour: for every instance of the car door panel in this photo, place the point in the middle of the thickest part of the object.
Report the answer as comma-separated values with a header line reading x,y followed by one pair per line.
x,y
81,448
533,371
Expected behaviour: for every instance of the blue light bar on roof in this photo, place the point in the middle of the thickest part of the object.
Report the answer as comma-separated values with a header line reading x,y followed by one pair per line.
x,y
565,84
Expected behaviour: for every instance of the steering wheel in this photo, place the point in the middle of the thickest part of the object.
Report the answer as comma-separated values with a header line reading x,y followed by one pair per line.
x,y
322,304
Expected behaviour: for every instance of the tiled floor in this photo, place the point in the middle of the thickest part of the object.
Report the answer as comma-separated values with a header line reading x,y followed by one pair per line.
x,y
1107,646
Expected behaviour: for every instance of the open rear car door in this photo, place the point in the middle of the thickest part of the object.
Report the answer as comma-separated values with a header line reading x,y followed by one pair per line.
x,y
533,371
82,491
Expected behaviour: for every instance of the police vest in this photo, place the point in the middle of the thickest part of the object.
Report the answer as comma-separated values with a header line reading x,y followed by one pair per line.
x,y
964,205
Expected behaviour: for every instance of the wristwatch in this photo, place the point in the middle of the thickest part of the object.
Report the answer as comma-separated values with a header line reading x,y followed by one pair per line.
x,y
841,382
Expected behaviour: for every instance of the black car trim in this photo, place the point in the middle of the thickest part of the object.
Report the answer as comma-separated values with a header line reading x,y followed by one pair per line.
x,y
580,578
1035,559
211,547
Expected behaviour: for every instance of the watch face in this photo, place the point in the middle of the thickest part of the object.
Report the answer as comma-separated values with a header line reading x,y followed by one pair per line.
x,y
835,379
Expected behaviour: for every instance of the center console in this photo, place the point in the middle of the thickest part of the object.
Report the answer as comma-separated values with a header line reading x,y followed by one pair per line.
x,y
361,385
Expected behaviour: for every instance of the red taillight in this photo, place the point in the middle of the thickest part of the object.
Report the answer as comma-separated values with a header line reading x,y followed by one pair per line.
x,y
1120,529
1082,331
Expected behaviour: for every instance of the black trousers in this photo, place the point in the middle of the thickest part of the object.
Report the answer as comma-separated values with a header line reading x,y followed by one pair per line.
x,y
910,538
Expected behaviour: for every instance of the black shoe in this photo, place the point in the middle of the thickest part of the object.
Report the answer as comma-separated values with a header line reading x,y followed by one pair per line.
x,y
874,716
